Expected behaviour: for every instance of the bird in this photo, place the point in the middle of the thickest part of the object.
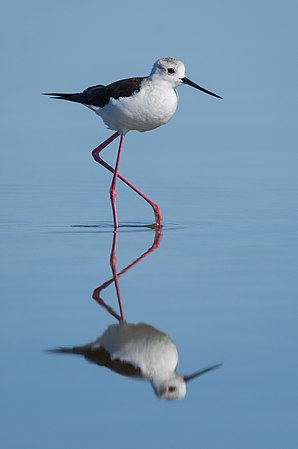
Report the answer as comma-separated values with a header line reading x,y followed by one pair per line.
x,y
134,104
139,351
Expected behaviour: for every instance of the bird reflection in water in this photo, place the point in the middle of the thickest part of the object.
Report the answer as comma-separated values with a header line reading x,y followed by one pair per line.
x,y
136,350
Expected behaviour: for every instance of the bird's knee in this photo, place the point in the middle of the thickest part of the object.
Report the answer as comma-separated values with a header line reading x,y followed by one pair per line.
x,y
113,194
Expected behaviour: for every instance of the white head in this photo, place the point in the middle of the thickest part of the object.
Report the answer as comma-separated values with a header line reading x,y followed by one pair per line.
x,y
172,71
170,388
173,386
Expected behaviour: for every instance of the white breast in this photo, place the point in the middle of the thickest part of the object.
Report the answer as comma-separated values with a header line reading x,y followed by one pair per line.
x,y
151,107
142,345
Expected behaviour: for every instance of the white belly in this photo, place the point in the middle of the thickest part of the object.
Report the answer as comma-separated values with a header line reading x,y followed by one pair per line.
x,y
142,345
151,107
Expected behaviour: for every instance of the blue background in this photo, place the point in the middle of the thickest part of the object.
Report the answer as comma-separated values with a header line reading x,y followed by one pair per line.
x,y
223,283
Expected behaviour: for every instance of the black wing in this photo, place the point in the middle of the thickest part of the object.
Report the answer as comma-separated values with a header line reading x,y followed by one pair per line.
x,y
100,95
101,357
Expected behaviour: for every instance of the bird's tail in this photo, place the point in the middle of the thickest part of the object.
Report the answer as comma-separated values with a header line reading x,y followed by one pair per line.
x,y
77,98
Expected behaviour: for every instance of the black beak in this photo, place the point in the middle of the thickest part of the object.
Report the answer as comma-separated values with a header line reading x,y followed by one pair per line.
x,y
196,86
201,372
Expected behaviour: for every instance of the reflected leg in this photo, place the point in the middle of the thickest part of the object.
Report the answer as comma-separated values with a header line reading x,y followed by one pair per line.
x,y
113,263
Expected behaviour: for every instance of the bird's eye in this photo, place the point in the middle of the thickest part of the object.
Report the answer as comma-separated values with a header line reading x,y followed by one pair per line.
x,y
171,70
171,389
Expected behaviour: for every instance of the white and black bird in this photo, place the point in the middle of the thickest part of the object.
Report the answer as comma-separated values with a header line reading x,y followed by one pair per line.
x,y
140,104
139,351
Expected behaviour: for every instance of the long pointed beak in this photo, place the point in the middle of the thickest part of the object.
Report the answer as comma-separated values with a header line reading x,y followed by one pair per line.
x,y
201,372
196,86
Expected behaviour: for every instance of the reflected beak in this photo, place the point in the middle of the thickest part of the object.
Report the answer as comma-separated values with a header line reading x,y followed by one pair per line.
x,y
201,372
196,86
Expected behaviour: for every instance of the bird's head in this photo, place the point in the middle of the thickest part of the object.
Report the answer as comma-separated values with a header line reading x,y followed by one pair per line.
x,y
173,386
169,388
172,71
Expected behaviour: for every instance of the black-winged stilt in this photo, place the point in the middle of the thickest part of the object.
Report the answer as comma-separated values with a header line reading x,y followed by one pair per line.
x,y
140,104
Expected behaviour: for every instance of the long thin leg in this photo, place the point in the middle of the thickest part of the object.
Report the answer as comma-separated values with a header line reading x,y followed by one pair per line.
x,y
113,261
113,264
95,154
104,144
113,192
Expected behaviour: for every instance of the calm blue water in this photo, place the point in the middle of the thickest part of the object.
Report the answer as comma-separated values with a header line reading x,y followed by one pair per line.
x,y
223,282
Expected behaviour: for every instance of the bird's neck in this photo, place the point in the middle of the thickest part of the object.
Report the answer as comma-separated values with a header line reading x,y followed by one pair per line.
x,y
157,81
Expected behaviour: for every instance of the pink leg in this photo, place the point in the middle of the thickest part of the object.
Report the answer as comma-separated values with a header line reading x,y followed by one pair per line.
x,y
102,303
113,263
95,154
104,144
113,192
